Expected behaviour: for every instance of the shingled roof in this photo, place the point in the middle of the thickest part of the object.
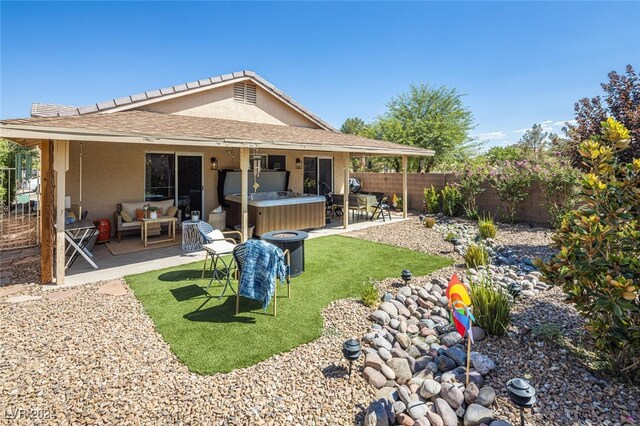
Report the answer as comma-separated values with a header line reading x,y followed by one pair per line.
x,y
132,101
158,128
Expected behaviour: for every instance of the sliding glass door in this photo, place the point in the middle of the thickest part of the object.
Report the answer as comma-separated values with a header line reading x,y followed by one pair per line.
x,y
189,184
318,175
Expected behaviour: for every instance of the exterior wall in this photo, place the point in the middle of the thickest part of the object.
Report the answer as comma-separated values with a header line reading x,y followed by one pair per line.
x,y
219,103
533,209
114,173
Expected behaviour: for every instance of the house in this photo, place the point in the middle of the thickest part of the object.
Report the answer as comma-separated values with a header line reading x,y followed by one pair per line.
x,y
174,142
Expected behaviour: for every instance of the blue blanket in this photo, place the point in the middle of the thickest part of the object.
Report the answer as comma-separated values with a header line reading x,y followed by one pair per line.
x,y
263,262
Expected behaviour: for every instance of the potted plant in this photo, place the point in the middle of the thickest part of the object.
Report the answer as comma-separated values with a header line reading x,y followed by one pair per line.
x,y
153,212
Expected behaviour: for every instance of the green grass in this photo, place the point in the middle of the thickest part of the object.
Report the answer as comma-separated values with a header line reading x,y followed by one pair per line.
x,y
207,336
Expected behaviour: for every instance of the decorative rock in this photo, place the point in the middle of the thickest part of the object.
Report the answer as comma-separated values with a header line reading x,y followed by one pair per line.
x,y
423,421
399,407
404,395
478,333
452,395
412,329
404,340
374,377
417,409
482,363
445,363
376,415
414,352
389,308
500,423
394,323
387,392
471,393
381,317
405,291
477,414
22,299
457,354
400,367
384,354
449,417
486,396
388,372
434,419
451,339
404,420
373,361
387,297
399,353
381,342
429,389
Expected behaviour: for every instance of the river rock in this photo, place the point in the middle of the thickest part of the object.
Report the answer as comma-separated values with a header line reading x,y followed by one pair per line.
x,y
404,420
486,396
482,363
429,389
451,338
381,342
434,418
389,308
376,415
405,291
478,333
477,414
417,409
452,395
471,393
381,317
404,340
374,377
384,354
422,422
399,407
449,417
400,367
373,361
457,354
445,363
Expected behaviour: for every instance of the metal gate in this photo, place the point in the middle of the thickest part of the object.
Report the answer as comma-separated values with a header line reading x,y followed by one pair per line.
x,y
20,204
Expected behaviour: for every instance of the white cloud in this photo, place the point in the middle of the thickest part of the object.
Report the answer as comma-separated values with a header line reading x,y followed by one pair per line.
x,y
553,126
490,136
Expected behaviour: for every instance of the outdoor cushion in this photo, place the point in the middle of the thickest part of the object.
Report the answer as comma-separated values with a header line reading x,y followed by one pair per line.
x,y
214,235
171,211
139,214
131,225
131,207
162,205
219,247
126,216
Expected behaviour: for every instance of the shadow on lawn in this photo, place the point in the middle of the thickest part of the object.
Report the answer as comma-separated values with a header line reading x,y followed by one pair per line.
x,y
189,292
222,313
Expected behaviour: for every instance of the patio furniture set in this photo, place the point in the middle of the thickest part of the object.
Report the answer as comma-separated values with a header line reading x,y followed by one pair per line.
x,y
375,203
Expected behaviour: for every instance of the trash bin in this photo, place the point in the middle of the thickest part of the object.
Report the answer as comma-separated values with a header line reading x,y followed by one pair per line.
x,y
104,230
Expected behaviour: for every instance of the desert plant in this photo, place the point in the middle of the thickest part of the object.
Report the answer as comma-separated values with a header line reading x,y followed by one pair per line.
x,y
470,186
369,294
431,200
512,182
547,331
486,227
450,236
491,306
598,264
558,181
429,222
475,256
451,199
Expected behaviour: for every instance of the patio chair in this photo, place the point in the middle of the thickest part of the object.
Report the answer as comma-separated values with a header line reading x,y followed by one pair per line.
x,y
357,205
239,255
337,207
217,244
380,208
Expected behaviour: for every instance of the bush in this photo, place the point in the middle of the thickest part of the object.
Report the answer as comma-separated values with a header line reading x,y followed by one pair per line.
x,y
491,306
598,264
369,295
512,182
486,227
429,222
548,332
451,199
559,184
431,200
450,236
475,256
470,186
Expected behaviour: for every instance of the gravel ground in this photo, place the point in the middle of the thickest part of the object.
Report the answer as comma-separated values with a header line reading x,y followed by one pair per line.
x,y
97,359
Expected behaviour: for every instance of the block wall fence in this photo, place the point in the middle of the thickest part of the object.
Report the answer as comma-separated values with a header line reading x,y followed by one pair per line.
x,y
533,209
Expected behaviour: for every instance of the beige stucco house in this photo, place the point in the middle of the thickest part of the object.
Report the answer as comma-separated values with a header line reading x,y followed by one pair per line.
x,y
174,143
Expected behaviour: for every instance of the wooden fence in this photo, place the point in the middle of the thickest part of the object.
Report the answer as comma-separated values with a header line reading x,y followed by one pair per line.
x,y
533,209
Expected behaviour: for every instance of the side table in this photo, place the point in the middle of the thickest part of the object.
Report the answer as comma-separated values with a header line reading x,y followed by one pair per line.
x,y
191,238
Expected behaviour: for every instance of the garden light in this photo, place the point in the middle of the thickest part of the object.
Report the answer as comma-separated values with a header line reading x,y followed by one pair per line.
x,y
522,394
406,276
351,351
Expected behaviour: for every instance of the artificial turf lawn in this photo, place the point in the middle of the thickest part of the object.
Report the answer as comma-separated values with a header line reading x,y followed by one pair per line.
x,y
207,336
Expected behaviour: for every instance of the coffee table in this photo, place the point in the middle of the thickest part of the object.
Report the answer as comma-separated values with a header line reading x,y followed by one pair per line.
x,y
171,231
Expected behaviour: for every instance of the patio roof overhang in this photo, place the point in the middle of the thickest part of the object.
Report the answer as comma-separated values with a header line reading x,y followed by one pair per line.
x,y
168,129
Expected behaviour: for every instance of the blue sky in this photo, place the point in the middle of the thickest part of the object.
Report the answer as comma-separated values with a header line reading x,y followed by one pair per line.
x,y
518,63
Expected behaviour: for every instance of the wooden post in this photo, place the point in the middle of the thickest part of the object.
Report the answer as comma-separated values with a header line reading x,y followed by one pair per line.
x,y
345,208
244,211
405,202
46,211
60,165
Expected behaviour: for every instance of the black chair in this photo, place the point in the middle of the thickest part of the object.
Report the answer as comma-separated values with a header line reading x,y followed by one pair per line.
x,y
239,253
337,204
380,208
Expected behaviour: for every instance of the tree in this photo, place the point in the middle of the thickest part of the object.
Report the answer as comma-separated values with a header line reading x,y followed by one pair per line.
x,y
431,118
621,101
498,154
534,140
354,126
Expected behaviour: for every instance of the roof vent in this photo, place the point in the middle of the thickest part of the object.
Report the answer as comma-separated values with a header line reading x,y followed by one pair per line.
x,y
245,93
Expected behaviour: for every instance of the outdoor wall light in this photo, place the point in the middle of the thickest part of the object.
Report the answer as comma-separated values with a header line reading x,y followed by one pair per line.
x,y
522,394
406,276
351,351
298,163
214,163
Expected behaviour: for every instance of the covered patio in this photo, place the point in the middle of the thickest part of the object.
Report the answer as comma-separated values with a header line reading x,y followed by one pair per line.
x,y
99,160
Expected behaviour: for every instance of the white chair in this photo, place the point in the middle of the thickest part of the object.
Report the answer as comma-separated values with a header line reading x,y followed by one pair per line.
x,y
218,244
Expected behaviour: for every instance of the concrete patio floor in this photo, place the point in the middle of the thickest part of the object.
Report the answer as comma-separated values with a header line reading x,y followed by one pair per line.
x,y
112,267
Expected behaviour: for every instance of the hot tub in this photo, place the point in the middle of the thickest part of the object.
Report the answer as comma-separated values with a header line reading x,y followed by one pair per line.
x,y
275,210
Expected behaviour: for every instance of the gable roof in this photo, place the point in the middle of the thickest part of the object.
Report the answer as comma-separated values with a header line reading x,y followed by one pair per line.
x,y
152,96
157,128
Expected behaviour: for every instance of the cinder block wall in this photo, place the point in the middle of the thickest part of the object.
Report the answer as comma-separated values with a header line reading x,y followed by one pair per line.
x,y
533,209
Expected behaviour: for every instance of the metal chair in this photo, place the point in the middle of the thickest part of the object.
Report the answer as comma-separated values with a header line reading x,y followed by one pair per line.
x,y
337,205
357,205
239,252
380,207
217,244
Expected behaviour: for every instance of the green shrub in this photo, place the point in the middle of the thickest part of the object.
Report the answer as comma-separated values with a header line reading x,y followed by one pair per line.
x,y
512,181
451,199
486,227
559,184
491,306
547,331
450,236
470,186
431,200
429,222
475,256
369,294
598,264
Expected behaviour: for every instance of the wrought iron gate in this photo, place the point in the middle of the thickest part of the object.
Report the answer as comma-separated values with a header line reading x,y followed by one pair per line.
x,y
20,204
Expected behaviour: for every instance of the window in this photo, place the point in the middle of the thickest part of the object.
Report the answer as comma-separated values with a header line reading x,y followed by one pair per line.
x,y
160,176
277,162
318,175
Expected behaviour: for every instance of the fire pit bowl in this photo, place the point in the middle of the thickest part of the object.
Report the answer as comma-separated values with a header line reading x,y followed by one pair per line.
x,y
292,241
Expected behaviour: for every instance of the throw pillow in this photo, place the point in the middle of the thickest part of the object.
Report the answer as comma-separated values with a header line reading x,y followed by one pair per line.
x,y
126,217
139,214
158,210
171,211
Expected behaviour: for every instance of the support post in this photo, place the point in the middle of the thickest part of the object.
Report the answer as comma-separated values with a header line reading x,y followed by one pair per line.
x,y
47,210
405,202
60,165
345,209
244,215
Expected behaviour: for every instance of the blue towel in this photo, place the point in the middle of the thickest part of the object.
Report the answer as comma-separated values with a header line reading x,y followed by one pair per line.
x,y
262,263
